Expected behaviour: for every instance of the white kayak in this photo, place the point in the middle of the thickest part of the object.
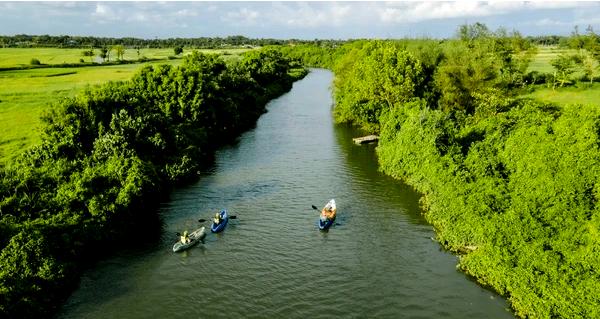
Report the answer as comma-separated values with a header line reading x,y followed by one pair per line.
x,y
195,237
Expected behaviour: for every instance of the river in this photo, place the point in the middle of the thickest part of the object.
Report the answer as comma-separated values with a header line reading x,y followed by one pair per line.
x,y
378,260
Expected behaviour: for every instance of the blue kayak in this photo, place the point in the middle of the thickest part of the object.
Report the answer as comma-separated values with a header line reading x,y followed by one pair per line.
x,y
215,228
325,224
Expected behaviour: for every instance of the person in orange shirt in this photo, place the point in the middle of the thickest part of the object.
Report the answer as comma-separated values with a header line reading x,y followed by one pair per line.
x,y
327,213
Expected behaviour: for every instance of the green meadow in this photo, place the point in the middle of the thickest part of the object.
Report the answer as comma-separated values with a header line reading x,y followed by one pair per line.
x,y
15,57
580,93
26,94
545,54
10,57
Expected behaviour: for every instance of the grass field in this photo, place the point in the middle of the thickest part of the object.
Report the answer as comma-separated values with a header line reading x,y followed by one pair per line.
x,y
26,94
582,93
14,57
541,62
10,57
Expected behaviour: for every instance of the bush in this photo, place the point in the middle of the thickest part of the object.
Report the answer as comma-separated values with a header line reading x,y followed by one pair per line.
x,y
511,185
104,157
34,61
535,77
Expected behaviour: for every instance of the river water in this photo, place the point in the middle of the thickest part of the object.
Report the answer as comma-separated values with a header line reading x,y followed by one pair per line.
x,y
378,260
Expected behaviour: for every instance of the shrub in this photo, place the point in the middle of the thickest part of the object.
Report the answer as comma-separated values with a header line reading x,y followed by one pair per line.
x,y
103,158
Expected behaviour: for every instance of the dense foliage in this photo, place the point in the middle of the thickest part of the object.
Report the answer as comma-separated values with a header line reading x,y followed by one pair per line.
x,y
311,55
105,157
512,185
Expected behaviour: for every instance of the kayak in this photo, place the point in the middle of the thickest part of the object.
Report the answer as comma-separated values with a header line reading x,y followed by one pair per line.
x,y
328,214
195,237
215,228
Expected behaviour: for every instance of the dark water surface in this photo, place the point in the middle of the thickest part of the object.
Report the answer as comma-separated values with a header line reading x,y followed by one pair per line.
x,y
272,262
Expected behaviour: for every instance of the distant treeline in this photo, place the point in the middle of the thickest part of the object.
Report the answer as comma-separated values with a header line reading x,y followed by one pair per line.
x,y
105,158
512,185
547,39
66,41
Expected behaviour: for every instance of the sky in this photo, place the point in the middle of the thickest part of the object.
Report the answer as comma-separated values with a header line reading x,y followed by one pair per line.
x,y
291,19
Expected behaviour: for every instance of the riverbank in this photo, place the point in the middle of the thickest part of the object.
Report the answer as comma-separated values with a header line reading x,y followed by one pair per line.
x,y
107,155
509,184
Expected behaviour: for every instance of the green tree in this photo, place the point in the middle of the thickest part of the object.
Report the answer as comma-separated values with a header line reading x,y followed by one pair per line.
x,y
105,53
119,51
382,77
470,32
588,66
564,66
89,53
178,50
576,41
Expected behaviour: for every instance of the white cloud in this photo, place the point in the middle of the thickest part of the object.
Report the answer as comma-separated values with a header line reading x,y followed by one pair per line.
x,y
546,22
104,14
422,11
242,17
138,17
300,15
62,4
409,12
557,4
7,6
186,13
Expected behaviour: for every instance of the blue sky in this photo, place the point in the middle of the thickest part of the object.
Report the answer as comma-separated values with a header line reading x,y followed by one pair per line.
x,y
289,19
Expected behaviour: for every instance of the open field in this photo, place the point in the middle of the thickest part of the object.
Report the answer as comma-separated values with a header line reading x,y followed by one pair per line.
x,y
10,57
541,61
583,93
15,57
26,94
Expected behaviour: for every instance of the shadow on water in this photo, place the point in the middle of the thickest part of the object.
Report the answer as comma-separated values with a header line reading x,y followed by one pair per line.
x,y
362,161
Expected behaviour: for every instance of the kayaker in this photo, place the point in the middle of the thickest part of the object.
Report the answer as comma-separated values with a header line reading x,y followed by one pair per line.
x,y
217,218
185,238
327,213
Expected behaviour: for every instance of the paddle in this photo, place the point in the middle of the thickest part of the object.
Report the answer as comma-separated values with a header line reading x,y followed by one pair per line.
x,y
202,220
315,208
